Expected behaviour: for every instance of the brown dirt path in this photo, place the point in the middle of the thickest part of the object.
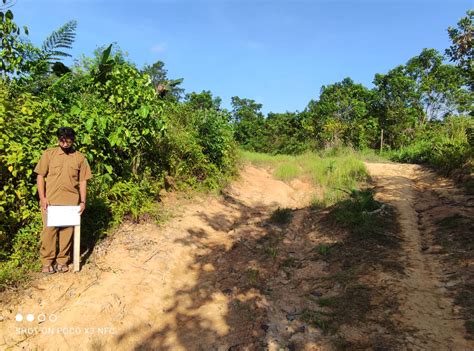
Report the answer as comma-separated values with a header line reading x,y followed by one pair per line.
x,y
214,277
427,311
180,287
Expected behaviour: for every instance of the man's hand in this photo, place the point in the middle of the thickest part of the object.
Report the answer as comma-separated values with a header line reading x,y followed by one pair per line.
x,y
44,203
82,207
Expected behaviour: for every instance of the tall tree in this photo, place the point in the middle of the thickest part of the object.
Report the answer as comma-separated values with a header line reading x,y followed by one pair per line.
x,y
13,50
203,100
248,122
168,89
461,50
341,115
397,105
60,39
285,133
438,85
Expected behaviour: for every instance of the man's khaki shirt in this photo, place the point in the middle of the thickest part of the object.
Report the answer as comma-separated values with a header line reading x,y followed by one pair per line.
x,y
63,173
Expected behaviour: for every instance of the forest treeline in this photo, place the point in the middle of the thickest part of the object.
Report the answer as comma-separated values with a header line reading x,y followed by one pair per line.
x,y
420,111
142,133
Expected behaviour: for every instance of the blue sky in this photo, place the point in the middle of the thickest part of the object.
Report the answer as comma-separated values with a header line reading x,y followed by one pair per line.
x,y
277,52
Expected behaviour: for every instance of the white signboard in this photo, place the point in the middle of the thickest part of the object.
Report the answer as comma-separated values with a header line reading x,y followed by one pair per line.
x,y
63,216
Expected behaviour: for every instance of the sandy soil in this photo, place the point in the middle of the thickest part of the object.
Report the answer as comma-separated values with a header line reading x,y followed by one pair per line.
x,y
427,311
211,279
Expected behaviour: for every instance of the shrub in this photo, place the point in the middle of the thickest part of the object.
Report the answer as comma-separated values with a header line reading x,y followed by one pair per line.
x,y
281,216
446,147
132,139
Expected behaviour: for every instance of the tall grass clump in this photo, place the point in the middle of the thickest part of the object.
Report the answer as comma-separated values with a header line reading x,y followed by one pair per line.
x,y
287,171
281,216
337,175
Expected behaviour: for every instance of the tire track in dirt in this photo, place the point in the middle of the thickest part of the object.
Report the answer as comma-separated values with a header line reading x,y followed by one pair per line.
x,y
427,313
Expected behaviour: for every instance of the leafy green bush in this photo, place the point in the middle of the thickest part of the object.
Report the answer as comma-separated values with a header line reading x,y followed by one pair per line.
x,y
198,149
445,146
133,140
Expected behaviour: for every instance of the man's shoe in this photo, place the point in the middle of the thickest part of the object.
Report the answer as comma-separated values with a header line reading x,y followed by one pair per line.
x,y
62,268
48,269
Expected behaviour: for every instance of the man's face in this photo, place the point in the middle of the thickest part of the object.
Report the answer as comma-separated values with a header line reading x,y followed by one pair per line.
x,y
65,143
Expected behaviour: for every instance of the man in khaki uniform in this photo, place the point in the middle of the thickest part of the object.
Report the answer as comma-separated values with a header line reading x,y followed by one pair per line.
x,y
66,171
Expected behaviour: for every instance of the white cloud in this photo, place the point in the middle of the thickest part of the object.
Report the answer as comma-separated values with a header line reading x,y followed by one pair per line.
x,y
158,48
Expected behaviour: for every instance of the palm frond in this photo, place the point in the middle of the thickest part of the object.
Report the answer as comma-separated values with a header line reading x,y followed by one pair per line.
x,y
62,38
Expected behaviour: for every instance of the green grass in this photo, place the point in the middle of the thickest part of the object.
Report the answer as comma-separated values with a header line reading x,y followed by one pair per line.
x,y
253,275
335,171
446,155
322,249
261,159
12,275
281,216
371,155
316,319
272,253
287,171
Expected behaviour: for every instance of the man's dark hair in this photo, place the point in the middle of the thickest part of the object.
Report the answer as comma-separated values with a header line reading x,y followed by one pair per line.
x,y
66,132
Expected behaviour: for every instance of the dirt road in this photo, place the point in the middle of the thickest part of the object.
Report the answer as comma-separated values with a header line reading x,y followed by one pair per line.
x,y
422,200
212,279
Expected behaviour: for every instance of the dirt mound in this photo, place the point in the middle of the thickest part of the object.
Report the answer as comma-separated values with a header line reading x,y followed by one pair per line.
x,y
257,188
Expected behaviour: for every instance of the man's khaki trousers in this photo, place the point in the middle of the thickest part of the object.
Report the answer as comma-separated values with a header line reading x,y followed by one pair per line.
x,y
49,238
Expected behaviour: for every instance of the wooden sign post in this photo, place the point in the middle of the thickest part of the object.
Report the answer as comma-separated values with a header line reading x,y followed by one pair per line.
x,y
77,248
67,216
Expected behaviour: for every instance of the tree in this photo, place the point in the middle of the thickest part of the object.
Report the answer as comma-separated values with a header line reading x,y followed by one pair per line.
x,y
43,64
285,133
462,49
62,38
203,100
397,105
12,48
341,115
28,66
248,122
438,85
168,89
